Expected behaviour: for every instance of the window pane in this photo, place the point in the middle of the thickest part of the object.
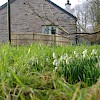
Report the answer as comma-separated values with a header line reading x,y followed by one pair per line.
x,y
53,30
46,30
49,29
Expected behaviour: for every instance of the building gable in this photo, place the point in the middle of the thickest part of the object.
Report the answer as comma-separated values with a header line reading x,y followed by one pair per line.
x,y
5,5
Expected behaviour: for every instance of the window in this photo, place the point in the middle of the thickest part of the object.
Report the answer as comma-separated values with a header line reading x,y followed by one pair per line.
x,y
49,29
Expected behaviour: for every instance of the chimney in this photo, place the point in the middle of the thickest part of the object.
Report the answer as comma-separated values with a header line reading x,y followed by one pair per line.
x,y
67,6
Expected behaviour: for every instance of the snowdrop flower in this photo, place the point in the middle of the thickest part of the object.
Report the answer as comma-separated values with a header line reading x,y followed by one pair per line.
x,y
84,53
93,52
67,61
9,74
56,68
55,62
76,54
54,55
33,61
47,59
61,58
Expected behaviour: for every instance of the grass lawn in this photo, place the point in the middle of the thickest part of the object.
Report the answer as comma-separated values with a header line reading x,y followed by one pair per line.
x,y
39,72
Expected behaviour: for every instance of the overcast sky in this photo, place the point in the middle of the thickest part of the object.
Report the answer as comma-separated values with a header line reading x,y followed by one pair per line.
x,y
59,2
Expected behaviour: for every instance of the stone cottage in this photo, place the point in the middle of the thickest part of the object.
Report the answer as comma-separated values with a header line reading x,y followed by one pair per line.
x,y
37,16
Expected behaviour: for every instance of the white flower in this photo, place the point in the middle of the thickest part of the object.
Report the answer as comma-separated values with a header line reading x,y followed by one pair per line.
x,y
54,55
9,74
67,61
56,68
47,59
33,61
84,53
93,52
61,59
55,62
76,54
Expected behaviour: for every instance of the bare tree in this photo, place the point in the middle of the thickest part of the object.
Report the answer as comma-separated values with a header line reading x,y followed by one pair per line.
x,y
88,14
95,14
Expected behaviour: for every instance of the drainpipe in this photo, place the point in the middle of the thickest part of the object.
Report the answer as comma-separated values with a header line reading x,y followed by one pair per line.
x,y
9,21
53,31
76,39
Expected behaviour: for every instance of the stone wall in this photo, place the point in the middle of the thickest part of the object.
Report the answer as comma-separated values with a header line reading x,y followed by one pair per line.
x,y
25,17
47,39
3,25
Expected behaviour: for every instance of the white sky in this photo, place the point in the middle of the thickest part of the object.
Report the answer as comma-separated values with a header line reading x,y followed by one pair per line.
x,y
58,2
62,2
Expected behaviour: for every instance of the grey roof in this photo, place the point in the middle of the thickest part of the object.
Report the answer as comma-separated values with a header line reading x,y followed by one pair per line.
x,y
4,5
